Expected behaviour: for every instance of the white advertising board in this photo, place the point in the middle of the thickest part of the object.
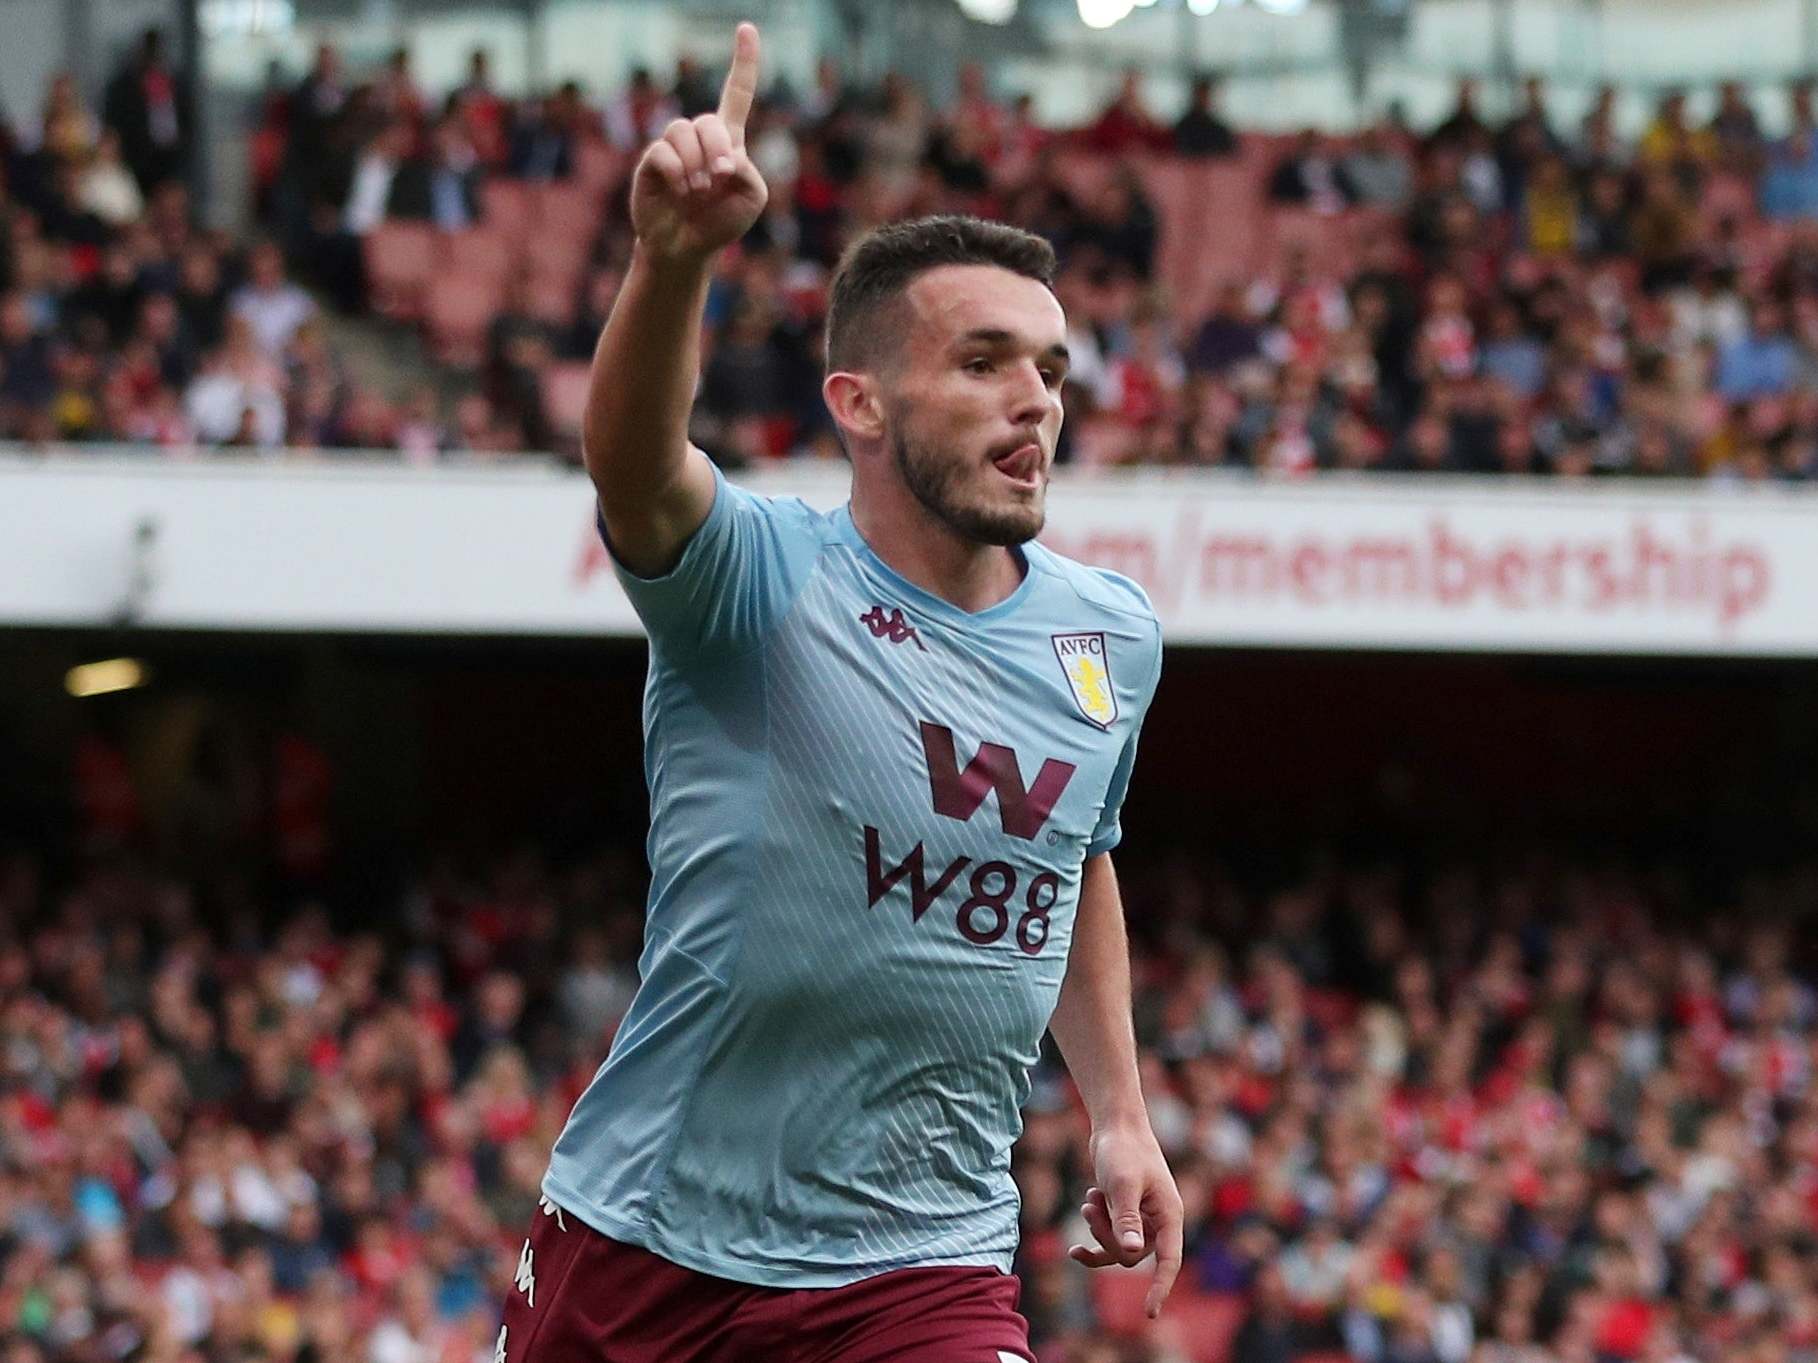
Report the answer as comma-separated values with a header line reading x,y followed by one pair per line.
x,y
1374,563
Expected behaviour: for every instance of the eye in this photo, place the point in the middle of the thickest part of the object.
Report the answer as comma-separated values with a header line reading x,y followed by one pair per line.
x,y
978,364
1054,378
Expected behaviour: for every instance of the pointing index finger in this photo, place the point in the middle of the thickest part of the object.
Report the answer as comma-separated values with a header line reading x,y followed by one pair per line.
x,y
741,82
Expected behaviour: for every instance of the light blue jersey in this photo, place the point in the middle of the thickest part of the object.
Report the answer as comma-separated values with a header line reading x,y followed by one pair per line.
x,y
869,813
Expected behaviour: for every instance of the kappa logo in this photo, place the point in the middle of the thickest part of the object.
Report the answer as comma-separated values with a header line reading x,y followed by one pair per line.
x,y
526,1279
549,1208
892,627
1086,664
498,1350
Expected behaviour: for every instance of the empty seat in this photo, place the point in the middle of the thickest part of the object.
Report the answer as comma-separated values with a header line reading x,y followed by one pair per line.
x,y
598,165
570,210
565,396
552,299
557,259
487,254
457,314
400,260
1208,1322
505,205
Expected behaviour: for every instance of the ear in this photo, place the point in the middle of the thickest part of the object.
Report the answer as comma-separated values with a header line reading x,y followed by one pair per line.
x,y
853,400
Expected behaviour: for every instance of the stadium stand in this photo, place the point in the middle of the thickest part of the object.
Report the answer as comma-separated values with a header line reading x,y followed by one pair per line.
x,y
1518,298
1495,1114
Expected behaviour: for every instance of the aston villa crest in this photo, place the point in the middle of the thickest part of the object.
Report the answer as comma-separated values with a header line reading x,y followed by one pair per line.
x,y
1086,663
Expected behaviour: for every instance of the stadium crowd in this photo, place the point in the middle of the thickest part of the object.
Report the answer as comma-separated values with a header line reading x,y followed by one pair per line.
x,y
1497,296
1528,1114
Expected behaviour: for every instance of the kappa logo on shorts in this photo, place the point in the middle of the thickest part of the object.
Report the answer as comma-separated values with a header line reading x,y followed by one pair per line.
x,y
1004,1356
549,1208
498,1350
526,1279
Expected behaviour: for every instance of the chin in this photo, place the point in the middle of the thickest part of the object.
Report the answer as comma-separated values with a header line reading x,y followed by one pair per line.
x,y
1006,526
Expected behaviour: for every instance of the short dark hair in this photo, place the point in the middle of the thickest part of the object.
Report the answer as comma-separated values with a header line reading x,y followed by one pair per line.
x,y
881,264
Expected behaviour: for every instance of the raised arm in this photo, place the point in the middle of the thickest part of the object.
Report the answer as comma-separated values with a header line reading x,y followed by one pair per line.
x,y
694,192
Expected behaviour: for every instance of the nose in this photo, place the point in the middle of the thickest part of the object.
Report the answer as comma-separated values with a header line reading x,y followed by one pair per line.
x,y
1033,400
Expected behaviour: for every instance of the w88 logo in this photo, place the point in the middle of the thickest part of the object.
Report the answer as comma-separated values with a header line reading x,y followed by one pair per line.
x,y
983,916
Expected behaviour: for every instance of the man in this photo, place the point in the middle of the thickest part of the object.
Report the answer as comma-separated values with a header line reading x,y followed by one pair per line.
x,y
145,103
1201,131
799,1146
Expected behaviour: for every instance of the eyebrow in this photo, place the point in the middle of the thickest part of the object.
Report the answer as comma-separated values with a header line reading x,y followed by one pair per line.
x,y
997,336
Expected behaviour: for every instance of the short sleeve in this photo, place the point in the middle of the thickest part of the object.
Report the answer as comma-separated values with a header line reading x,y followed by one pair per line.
x,y
736,579
1109,831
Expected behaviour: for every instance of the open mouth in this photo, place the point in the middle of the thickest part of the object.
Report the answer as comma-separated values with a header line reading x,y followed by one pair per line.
x,y
1021,465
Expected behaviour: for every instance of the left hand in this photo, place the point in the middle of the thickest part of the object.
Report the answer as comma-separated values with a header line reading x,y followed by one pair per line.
x,y
1133,1209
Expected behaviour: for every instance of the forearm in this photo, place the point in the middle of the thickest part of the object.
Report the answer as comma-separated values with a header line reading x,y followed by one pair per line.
x,y
635,429
1092,1022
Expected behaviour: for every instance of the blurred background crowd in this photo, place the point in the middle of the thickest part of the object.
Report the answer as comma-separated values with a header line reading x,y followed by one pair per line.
x,y
1483,295
1496,1111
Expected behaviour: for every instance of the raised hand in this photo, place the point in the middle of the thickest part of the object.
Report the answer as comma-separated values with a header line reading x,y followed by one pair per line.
x,y
695,190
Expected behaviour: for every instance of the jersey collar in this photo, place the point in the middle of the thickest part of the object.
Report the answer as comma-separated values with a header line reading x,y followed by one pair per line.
x,y
926,601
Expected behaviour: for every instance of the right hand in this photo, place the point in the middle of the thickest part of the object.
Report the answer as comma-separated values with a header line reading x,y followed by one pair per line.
x,y
694,189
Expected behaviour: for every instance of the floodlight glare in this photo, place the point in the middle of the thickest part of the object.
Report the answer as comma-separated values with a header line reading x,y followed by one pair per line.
x,y
101,678
988,11
1103,13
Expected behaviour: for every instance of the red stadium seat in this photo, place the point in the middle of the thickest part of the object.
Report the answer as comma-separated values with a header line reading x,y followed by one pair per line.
x,y
552,298
400,262
457,314
506,206
571,211
598,165
553,259
565,396
1208,1322
1728,195
1117,1297
481,253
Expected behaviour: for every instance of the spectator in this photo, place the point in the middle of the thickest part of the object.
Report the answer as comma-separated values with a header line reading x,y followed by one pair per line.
x,y
1201,132
314,108
106,189
1378,170
1228,336
442,187
482,112
396,97
370,197
1463,125
1736,131
1765,362
1126,125
639,114
1671,142
1549,210
1309,176
1790,187
269,303
547,135
67,132
146,104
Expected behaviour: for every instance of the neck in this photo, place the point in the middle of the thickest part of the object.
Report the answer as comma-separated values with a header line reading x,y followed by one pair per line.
x,y
927,551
